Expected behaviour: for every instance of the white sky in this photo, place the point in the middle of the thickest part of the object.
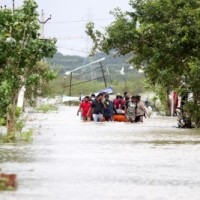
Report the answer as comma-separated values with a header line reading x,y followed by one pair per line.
x,y
68,20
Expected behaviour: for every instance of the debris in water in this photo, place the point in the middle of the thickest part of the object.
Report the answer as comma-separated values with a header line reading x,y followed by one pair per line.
x,y
8,181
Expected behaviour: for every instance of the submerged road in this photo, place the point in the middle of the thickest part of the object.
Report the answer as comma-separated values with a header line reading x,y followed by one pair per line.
x,y
72,160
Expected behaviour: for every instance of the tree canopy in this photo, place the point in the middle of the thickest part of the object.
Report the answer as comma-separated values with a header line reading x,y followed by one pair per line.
x,y
162,37
21,51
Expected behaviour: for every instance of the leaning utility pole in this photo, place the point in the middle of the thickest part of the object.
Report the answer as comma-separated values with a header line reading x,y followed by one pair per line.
x,y
104,78
43,22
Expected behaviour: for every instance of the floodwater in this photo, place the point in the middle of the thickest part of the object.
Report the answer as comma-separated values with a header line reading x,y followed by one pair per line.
x,y
72,160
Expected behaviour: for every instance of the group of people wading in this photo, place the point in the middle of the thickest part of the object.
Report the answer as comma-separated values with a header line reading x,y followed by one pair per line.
x,y
100,108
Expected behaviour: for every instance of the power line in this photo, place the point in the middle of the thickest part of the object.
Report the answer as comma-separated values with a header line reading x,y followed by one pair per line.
x,y
71,49
71,38
79,21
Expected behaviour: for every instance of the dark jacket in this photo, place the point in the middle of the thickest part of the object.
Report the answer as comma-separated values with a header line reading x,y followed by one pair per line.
x,y
97,107
110,109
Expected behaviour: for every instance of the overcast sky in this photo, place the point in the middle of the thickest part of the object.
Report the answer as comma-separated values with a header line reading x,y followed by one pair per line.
x,y
68,20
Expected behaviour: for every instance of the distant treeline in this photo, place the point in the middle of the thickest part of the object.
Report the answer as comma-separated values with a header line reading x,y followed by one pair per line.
x,y
114,63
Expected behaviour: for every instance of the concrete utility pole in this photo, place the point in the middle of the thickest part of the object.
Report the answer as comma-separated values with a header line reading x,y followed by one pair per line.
x,y
13,5
43,22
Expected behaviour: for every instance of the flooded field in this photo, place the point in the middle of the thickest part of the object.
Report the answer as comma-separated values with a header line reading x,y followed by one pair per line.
x,y
72,160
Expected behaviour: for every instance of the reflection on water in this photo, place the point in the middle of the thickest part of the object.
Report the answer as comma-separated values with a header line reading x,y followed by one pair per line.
x,y
69,159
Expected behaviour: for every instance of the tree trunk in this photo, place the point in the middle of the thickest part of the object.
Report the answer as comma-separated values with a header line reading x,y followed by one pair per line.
x,y
11,111
10,120
10,124
167,104
197,110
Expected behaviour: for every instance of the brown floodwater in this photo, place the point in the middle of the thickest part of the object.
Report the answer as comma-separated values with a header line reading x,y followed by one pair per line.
x,y
73,160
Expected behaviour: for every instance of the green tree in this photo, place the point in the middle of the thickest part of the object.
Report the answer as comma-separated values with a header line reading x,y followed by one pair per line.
x,y
38,81
192,86
161,37
21,50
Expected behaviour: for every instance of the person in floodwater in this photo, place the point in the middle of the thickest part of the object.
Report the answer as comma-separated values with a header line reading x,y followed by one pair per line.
x,y
109,109
130,109
104,94
97,108
116,101
119,103
84,108
140,110
125,95
92,97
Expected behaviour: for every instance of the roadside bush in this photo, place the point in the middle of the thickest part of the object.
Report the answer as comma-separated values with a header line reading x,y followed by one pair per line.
x,y
47,108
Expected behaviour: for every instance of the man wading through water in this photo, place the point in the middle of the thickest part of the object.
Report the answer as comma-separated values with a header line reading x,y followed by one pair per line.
x,y
109,109
130,109
97,108
140,110
84,108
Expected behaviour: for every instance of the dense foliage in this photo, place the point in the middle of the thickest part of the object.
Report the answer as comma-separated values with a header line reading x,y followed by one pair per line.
x,y
21,51
162,37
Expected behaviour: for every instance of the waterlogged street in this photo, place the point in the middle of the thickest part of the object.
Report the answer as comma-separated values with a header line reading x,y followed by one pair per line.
x,y
73,160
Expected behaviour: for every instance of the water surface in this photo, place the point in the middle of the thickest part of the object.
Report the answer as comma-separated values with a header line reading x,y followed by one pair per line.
x,y
72,160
